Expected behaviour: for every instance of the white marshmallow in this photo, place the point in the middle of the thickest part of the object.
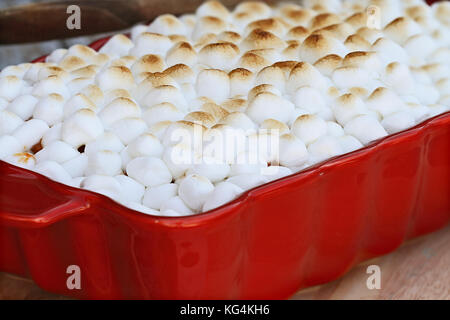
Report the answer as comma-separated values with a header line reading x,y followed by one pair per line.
x,y
52,134
214,84
418,111
175,207
268,105
309,99
56,56
105,185
211,168
334,129
76,167
155,197
141,208
309,128
49,109
401,29
81,127
9,122
104,162
78,102
30,132
241,81
273,173
317,46
145,145
137,30
54,171
132,190
161,112
365,128
149,171
398,77
57,151
323,148
304,74
23,106
398,121
10,87
292,151
248,181
118,45
3,103
24,160
53,84
389,51
223,193
119,109
349,143
115,78
384,101
420,46
194,190
347,77
148,42
106,141
348,106
9,145
248,162
129,129
165,93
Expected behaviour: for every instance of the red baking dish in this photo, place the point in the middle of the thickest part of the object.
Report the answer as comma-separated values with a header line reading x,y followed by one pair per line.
x,y
302,230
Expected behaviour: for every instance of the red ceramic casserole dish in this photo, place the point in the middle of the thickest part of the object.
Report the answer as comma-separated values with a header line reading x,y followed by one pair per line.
x,y
305,229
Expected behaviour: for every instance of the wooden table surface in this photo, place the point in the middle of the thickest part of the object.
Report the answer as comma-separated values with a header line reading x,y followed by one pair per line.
x,y
420,269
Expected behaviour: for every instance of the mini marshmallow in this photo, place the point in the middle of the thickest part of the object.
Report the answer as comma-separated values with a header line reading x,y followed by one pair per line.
x,y
104,162
129,129
165,93
115,78
248,162
76,167
239,120
317,46
384,101
304,74
436,71
208,24
105,185
118,45
93,93
23,106
9,145
436,109
201,117
178,159
235,105
389,51
148,42
119,109
148,63
145,145
262,88
149,171
214,84
365,128
49,109
4,103
272,124
194,190
223,193
401,29
273,173
309,99
23,159
54,171
327,64
398,77
268,105
142,209
137,30
347,77
309,128
10,87
106,141
175,206
293,151
181,52
77,102
155,197
30,132
420,46
212,9
132,190
213,168
81,127
334,129
9,121
58,151
418,111
348,106
17,71
161,112
219,55
252,62
349,143
273,76
323,148
398,121
247,181
356,42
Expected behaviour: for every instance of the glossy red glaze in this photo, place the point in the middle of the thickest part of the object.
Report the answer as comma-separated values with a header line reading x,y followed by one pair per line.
x,y
302,230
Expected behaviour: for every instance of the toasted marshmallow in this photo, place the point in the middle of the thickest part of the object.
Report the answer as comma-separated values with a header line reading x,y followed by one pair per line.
x,y
155,197
398,77
194,190
119,109
9,122
229,36
355,42
365,128
304,74
153,43
252,62
212,9
241,80
401,29
208,24
149,171
272,124
22,159
317,46
349,143
443,85
167,24
81,127
52,84
309,99
298,33
118,45
224,192
219,55
54,171
201,117
297,113
292,151
239,120
129,129
235,105
384,101
309,128
214,84
58,151
76,167
148,63
268,105
104,162
328,64
271,75
175,206
181,73
9,145
77,102
49,109
165,93
398,121
18,71
389,51
182,52
261,39
370,34
10,87
437,71
115,78
72,62
248,181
